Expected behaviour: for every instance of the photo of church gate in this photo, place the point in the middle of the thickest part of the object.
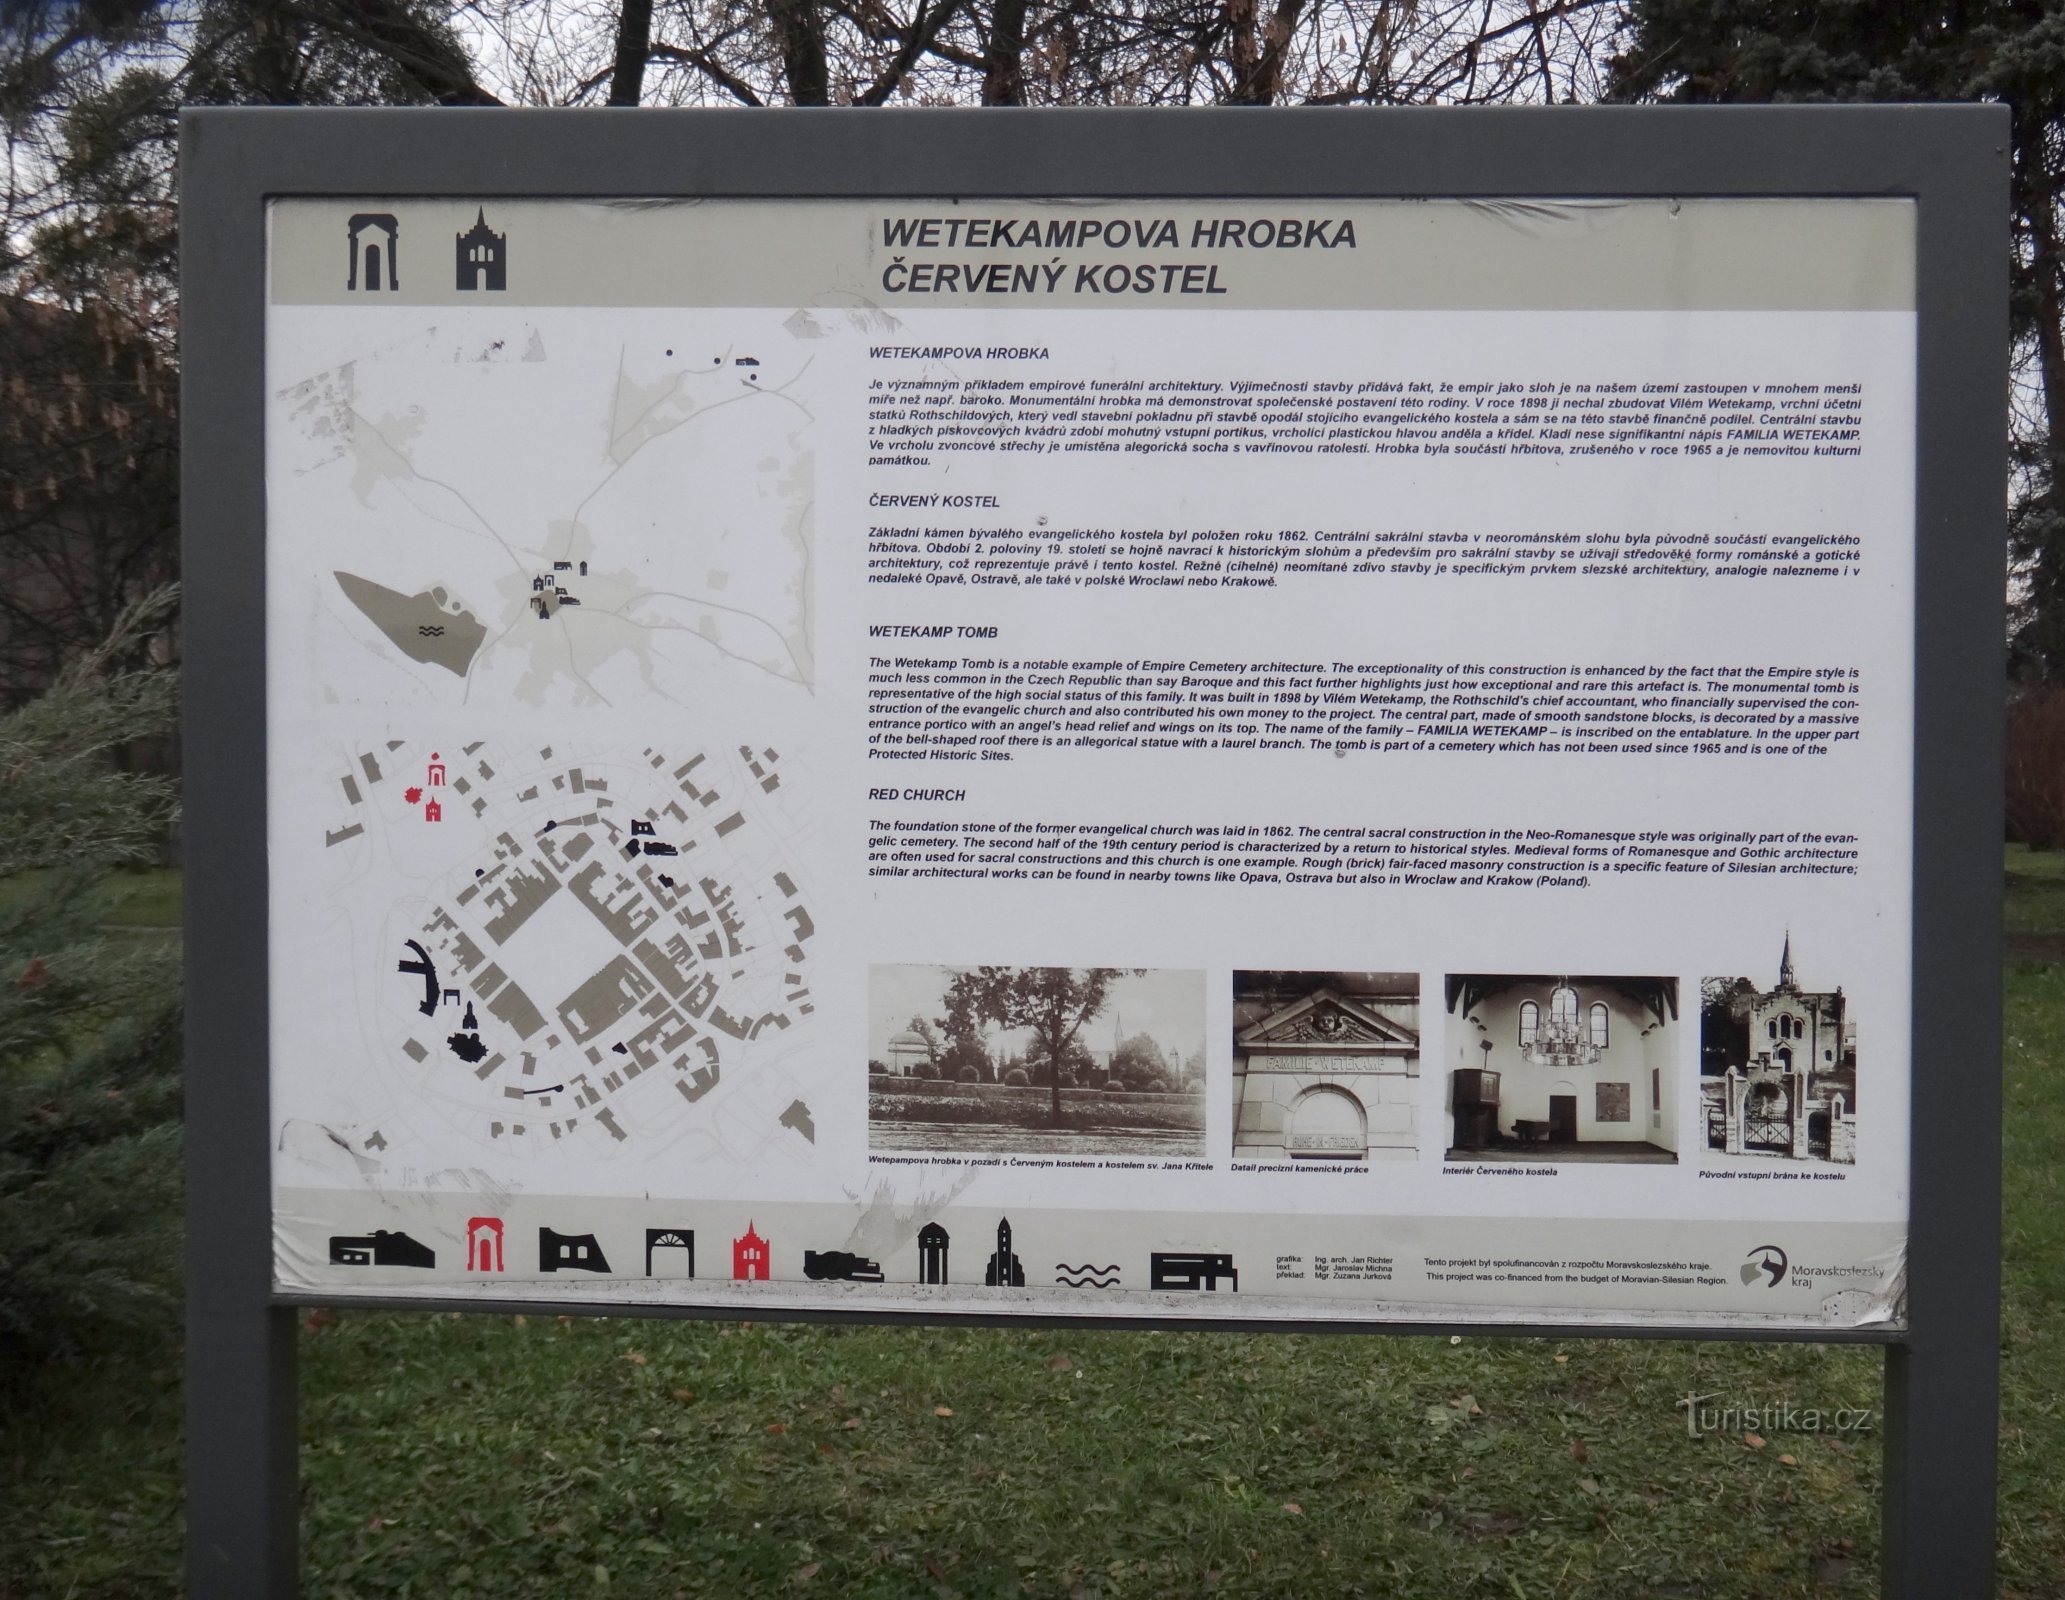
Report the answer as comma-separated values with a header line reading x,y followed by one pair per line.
x,y
1326,1066
1561,1068
1777,1068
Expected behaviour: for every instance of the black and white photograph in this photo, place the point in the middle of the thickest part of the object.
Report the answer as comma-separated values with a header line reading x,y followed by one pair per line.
x,y
1104,1060
1777,1068
1549,1068
1326,1066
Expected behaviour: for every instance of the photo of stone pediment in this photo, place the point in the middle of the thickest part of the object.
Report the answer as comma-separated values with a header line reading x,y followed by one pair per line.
x,y
1326,1019
1325,1066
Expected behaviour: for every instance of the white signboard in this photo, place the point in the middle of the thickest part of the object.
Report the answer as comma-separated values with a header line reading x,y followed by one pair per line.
x,y
1295,760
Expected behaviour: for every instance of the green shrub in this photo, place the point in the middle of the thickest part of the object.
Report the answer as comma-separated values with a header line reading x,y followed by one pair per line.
x,y
90,1041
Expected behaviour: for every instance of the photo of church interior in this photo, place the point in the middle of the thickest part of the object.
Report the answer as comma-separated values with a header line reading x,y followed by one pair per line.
x,y
1549,1068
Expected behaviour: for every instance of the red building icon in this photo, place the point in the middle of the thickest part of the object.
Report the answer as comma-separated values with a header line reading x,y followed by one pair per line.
x,y
749,1255
484,1244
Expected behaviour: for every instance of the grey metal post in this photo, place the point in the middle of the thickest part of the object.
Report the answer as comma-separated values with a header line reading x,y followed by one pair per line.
x,y
1942,1382
242,1534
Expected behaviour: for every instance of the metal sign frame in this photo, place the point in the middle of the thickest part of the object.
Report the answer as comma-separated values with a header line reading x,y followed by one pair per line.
x,y
1941,1394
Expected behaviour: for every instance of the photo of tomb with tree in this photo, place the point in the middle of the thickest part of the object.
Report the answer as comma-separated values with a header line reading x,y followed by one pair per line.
x,y
1561,1068
1777,1068
1106,1060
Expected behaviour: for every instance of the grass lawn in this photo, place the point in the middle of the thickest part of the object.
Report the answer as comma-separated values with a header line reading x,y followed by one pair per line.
x,y
447,1456
144,897
134,899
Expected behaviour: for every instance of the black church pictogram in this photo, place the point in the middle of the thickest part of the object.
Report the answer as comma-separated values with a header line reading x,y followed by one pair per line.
x,y
1004,1270
483,256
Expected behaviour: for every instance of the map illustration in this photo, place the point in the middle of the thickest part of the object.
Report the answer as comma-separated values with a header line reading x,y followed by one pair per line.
x,y
646,517
608,953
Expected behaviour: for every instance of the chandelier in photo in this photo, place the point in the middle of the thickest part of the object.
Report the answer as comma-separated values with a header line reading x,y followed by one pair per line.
x,y
1564,1040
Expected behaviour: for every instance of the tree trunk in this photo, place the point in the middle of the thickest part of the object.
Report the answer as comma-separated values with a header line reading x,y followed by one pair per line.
x,y
1260,79
273,58
2046,271
799,30
1242,47
634,46
2036,196
1003,61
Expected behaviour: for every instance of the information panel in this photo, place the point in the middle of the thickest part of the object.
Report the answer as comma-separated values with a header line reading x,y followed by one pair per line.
x,y
1306,760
